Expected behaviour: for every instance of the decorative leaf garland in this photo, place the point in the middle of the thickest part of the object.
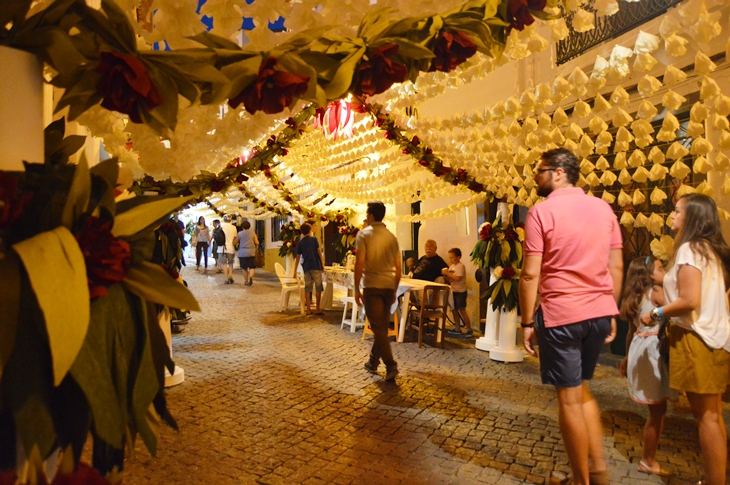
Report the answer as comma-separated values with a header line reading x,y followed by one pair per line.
x,y
289,235
424,155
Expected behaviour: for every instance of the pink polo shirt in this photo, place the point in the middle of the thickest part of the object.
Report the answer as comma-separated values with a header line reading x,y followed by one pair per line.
x,y
574,233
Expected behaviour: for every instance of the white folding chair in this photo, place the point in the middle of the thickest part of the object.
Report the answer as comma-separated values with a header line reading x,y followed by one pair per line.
x,y
289,285
357,319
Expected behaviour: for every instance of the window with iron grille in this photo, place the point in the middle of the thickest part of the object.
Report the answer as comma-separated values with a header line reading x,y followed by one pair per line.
x,y
629,16
276,223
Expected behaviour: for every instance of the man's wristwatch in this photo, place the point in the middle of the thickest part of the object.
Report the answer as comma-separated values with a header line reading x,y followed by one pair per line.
x,y
527,325
657,314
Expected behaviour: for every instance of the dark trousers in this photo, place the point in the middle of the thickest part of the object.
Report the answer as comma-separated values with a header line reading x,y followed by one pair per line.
x,y
201,249
377,308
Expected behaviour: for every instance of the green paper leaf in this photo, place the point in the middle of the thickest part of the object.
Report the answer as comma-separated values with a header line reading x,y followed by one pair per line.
x,y
342,79
107,170
139,217
10,304
409,49
78,195
13,11
507,287
152,283
49,258
146,385
215,41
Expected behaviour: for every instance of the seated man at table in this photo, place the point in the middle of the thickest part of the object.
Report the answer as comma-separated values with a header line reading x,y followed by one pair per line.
x,y
312,265
429,266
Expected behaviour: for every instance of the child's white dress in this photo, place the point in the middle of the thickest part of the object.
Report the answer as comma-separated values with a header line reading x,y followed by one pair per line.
x,y
647,372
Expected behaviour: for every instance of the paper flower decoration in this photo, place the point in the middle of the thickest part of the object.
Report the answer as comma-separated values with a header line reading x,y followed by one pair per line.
x,y
573,132
560,89
669,128
641,175
707,25
581,109
675,45
644,62
603,141
627,219
669,25
529,125
618,63
676,151
597,125
583,21
637,159
621,118
703,64
514,128
542,95
501,131
623,136
695,129
512,107
656,155
646,43
685,189
608,178
663,248
624,177
722,162
608,197
657,196
725,140
655,224
498,111
586,166
719,122
700,147
586,146
578,81
648,86
725,189
535,42
600,104
672,76
605,7
638,197
527,101
672,101
646,110
642,128
619,161
558,29
705,189
709,89
624,199
544,121
570,145
640,220
592,180
658,172
619,96
559,117
699,112
701,165
722,105
679,170
556,136
644,141
602,163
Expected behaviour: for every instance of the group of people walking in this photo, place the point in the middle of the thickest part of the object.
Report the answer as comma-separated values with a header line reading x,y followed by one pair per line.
x,y
227,241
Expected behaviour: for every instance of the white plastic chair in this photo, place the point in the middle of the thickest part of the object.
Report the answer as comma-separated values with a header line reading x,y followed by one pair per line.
x,y
289,285
358,315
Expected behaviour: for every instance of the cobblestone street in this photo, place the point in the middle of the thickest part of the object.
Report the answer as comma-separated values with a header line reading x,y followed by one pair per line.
x,y
279,398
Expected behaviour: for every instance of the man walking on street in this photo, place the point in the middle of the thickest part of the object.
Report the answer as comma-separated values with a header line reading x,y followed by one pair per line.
x,y
379,259
227,251
573,253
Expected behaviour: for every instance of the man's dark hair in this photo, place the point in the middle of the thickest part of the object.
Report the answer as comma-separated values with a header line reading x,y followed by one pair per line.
x,y
246,225
565,159
216,221
456,252
377,210
305,229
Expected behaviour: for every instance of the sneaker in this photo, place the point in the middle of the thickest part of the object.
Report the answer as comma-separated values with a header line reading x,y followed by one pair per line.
x,y
373,369
250,281
230,281
225,282
469,334
453,333
391,375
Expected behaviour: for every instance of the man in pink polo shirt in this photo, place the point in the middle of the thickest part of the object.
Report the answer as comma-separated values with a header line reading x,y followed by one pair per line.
x,y
573,251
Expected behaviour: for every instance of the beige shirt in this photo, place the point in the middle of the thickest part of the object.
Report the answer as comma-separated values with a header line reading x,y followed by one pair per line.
x,y
381,251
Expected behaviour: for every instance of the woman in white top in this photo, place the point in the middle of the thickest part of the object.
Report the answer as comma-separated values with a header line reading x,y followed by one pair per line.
x,y
696,306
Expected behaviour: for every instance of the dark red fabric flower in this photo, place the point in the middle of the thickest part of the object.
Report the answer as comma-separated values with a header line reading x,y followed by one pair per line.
x,y
485,233
518,12
451,49
416,141
107,258
83,475
272,91
440,172
126,85
476,187
7,477
217,185
461,174
510,235
379,72
508,273
12,201
423,163
241,178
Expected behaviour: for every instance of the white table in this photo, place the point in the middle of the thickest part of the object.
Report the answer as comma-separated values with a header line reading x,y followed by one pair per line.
x,y
346,279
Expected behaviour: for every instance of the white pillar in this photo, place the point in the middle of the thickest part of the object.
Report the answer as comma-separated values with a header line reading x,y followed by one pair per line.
x,y
21,109
491,326
507,350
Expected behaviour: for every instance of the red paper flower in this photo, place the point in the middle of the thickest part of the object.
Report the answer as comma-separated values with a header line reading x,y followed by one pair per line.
x,y
107,258
423,163
83,475
241,178
126,85
461,174
217,185
508,273
12,202
510,235
485,233
518,12
272,91
451,49
440,172
476,187
379,72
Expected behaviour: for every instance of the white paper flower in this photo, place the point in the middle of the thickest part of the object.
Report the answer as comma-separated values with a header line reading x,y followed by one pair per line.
x,y
655,224
603,141
544,121
586,146
669,26
672,76
512,108
699,112
675,45
602,163
597,125
514,128
581,109
618,63
605,7
624,177
648,86
685,190
657,196
559,117
626,218
556,136
600,104
646,43
703,64
641,175
707,26
676,151
719,122
637,159
670,122
607,179
608,197
673,101
644,141
656,155
619,161
573,132
560,89
529,125
722,105
623,135
700,147
619,96
558,29
638,197
644,62
621,118
658,172
646,111
709,89
583,21
701,165
641,128
527,101
542,95
578,80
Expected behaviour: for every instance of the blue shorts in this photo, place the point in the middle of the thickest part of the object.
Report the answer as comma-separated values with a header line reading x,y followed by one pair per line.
x,y
569,353
459,300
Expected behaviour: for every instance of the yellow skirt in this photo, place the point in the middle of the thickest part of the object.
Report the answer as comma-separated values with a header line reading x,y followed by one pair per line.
x,y
695,367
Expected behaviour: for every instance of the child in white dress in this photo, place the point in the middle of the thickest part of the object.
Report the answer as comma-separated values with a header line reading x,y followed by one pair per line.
x,y
643,365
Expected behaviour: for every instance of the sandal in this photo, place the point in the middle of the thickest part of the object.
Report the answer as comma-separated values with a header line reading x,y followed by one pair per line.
x,y
644,468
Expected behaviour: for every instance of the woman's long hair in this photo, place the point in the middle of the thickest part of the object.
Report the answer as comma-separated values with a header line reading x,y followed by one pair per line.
x,y
638,282
702,231
201,221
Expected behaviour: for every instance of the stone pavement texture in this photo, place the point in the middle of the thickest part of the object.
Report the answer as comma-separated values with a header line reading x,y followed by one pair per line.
x,y
279,398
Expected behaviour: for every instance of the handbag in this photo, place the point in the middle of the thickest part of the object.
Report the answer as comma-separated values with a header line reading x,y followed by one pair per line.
x,y
259,258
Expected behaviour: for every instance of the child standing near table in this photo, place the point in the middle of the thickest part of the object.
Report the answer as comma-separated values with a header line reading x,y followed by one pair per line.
x,y
643,365
455,275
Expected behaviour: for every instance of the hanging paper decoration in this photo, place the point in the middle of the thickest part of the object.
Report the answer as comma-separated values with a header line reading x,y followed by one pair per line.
x,y
695,129
725,140
709,89
559,117
583,21
597,125
722,105
672,101
619,161
600,104
626,218
646,43
586,166
581,109
685,190
619,95
705,189
640,220
676,151
722,162
638,197
719,122
644,62
725,189
608,178
675,45
573,132
701,165
637,159
338,119
646,110
656,155
624,177
648,86
700,147
658,172
655,224
641,175
608,197
703,64
657,196
673,76
603,141
679,170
